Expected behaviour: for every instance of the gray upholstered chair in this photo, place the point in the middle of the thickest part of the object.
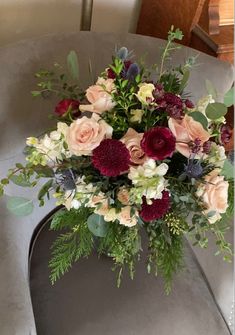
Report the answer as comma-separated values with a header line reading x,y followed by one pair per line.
x,y
86,301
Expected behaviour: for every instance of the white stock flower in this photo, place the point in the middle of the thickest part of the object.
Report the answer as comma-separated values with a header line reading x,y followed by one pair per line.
x,y
148,181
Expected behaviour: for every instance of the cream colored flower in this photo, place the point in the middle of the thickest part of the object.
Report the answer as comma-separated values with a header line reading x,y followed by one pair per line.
x,y
125,217
132,141
214,195
99,96
123,196
145,93
185,131
110,215
136,115
85,134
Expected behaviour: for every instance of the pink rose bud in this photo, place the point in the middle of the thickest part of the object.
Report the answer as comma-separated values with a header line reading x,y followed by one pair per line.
x,y
64,105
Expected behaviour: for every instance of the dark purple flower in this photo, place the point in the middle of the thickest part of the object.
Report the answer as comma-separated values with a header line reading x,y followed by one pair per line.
x,y
158,92
206,147
158,143
188,104
225,133
173,105
111,157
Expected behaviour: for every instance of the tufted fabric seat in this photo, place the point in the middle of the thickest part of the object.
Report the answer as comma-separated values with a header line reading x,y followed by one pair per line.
x,y
86,301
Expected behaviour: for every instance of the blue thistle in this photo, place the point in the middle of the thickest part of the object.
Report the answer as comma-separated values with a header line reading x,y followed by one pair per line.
x,y
193,169
132,72
123,53
67,180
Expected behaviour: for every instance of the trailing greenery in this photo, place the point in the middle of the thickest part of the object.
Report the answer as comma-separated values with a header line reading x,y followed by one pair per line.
x,y
123,244
70,246
165,252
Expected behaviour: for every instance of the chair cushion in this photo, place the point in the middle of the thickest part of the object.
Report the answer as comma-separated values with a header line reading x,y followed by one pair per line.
x,y
86,300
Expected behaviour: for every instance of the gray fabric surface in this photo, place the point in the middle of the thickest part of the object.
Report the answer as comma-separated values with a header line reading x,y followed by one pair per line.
x,y
22,116
87,302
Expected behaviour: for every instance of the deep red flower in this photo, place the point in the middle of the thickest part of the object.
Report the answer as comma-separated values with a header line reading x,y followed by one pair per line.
x,y
174,105
188,103
111,157
157,209
64,105
158,143
225,133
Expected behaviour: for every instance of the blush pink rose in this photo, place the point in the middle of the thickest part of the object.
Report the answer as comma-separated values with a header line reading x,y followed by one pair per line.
x,y
99,96
214,195
85,134
185,131
132,141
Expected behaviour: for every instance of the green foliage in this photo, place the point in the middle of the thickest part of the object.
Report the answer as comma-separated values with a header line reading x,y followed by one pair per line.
x,y
65,219
228,170
69,247
20,206
123,244
172,36
44,191
72,62
97,225
20,180
165,252
229,97
215,110
199,117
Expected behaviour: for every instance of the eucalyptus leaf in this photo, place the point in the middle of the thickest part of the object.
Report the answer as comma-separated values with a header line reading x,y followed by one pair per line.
x,y
211,89
199,117
72,62
228,170
20,206
229,97
215,110
20,180
97,225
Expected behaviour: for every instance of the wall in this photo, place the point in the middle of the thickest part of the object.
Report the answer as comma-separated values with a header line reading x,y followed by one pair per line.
x,y
20,19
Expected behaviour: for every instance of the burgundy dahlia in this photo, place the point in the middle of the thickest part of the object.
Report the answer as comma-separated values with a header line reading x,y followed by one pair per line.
x,y
158,143
111,158
64,105
157,209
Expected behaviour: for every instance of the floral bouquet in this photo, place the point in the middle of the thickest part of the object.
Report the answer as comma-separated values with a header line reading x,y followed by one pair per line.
x,y
131,155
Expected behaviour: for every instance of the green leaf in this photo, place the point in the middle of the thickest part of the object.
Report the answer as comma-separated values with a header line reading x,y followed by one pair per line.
x,y
35,93
199,117
215,110
44,171
184,81
44,190
228,170
229,97
20,180
20,206
211,89
97,225
72,62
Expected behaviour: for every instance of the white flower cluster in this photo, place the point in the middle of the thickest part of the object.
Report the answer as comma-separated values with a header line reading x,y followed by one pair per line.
x,y
51,146
75,198
148,181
